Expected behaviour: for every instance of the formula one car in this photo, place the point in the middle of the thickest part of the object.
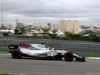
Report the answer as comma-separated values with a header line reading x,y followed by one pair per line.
x,y
39,50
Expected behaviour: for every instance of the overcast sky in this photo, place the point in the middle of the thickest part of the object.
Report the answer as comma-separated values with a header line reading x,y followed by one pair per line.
x,y
86,11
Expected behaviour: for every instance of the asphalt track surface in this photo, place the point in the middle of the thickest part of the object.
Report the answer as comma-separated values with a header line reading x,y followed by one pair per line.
x,y
31,66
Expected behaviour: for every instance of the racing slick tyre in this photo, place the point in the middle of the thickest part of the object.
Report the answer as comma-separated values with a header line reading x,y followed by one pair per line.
x,y
68,56
16,54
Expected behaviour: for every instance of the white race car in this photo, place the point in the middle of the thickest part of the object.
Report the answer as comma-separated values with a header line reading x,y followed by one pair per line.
x,y
39,50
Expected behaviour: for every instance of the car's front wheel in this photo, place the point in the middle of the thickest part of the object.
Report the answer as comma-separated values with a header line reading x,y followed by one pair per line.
x,y
68,56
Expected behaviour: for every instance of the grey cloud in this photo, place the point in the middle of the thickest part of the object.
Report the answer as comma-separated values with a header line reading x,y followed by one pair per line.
x,y
54,8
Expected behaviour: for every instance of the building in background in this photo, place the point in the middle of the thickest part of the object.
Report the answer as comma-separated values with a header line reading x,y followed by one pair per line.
x,y
55,27
69,26
97,25
92,28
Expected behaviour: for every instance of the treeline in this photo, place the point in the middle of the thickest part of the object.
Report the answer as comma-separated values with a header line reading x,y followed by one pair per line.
x,y
70,36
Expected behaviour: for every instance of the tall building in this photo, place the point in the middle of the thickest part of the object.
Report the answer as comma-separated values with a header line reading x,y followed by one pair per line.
x,y
69,26
76,27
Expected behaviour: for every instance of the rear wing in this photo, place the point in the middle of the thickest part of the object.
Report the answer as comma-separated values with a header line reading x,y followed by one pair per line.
x,y
13,46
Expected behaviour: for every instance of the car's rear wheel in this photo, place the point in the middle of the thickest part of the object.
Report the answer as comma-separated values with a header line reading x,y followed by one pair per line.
x,y
68,56
16,54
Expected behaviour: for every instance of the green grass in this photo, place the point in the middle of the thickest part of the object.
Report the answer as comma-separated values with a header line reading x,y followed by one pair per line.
x,y
4,52
9,74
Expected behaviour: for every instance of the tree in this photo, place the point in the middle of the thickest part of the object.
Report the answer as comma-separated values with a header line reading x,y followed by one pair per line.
x,y
29,27
46,30
68,34
52,35
23,29
54,31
